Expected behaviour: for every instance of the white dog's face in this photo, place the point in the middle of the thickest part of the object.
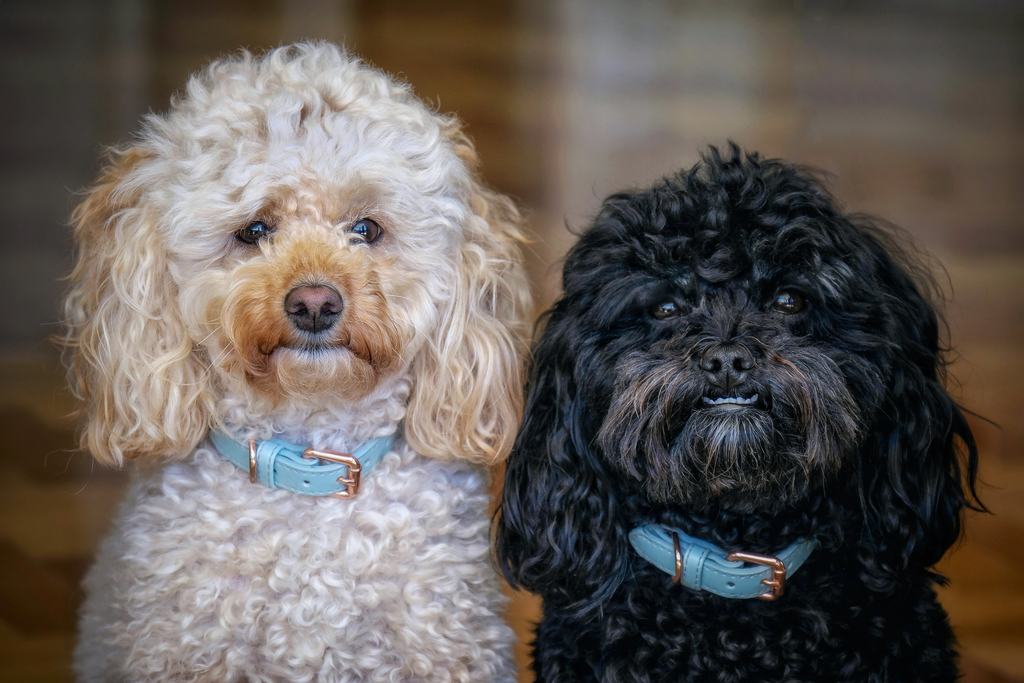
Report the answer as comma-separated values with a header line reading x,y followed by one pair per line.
x,y
312,251
305,229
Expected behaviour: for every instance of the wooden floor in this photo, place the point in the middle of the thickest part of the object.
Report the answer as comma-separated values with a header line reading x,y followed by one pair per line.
x,y
914,107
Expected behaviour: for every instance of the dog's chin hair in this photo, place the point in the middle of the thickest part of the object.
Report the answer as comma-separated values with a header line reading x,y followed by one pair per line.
x,y
728,456
747,459
737,460
298,375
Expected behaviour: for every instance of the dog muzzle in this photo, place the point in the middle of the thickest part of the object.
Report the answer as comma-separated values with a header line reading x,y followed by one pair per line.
x,y
279,464
700,565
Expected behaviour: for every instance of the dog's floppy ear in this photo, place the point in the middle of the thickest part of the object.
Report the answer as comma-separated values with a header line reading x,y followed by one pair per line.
x,y
915,481
129,357
559,532
467,399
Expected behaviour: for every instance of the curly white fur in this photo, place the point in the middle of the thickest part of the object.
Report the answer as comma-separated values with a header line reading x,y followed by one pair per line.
x,y
176,326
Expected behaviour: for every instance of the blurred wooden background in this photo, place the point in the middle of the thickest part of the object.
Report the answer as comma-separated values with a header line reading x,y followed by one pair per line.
x,y
916,107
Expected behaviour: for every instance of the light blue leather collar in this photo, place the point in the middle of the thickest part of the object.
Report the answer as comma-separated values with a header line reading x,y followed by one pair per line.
x,y
704,566
279,464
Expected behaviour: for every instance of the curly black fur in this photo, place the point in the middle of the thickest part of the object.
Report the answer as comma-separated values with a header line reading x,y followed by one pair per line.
x,y
739,277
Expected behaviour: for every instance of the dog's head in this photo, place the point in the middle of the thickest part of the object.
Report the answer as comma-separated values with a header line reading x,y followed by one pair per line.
x,y
298,231
730,340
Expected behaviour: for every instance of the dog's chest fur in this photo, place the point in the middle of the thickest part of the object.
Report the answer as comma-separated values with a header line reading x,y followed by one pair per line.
x,y
258,584
827,627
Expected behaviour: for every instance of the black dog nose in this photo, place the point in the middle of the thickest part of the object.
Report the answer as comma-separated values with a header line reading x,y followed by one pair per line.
x,y
313,308
727,365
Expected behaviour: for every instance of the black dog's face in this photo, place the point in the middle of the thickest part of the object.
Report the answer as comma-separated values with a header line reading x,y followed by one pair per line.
x,y
731,336
734,355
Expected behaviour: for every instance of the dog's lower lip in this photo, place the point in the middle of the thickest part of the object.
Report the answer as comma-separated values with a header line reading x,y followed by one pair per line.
x,y
315,349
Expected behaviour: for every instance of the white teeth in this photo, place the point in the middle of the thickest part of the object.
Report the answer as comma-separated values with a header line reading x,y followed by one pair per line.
x,y
731,400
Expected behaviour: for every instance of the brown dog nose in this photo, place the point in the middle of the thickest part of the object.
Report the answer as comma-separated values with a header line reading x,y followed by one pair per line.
x,y
313,308
727,366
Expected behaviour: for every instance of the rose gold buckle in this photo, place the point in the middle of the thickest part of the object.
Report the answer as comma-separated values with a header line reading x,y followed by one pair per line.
x,y
776,584
253,477
679,558
353,482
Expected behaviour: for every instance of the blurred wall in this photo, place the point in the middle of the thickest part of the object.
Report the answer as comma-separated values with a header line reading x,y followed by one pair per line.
x,y
915,107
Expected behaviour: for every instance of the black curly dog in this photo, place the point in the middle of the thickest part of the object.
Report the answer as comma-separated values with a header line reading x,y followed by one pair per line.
x,y
736,365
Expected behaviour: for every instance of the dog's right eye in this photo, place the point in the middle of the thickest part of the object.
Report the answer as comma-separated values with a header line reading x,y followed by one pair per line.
x,y
665,310
253,233
789,302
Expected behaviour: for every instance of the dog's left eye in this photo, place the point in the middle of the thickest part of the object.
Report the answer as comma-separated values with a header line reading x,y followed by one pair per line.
x,y
366,230
665,310
789,302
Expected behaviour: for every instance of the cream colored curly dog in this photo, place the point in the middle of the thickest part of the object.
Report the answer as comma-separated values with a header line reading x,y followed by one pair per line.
x,y
298,254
